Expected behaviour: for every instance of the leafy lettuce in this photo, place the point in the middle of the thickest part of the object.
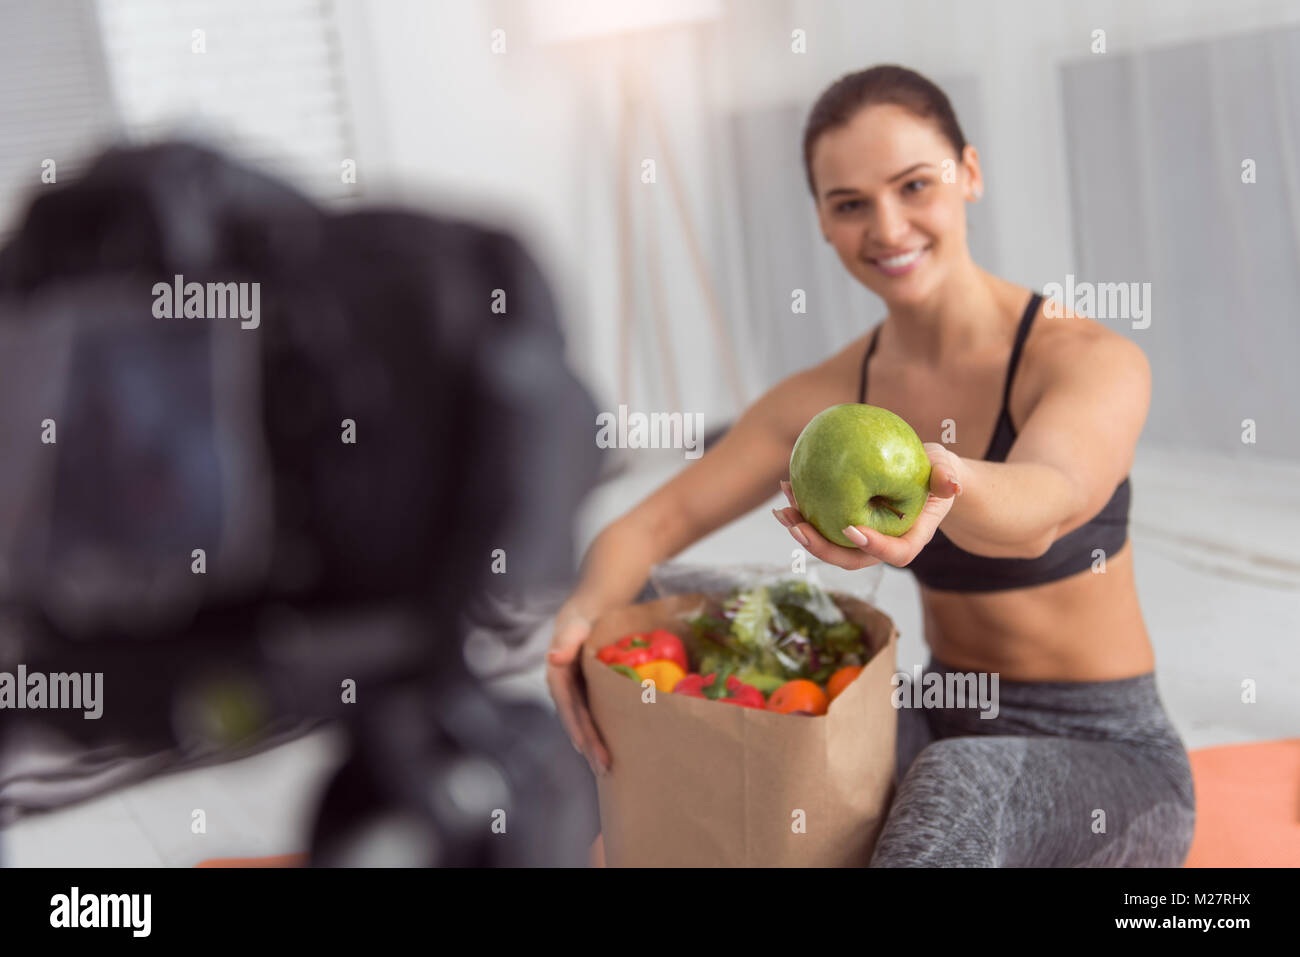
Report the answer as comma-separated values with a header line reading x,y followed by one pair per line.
x,y
784,630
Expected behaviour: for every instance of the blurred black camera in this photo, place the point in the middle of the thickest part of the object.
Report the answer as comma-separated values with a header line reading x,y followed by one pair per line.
x,y
264,459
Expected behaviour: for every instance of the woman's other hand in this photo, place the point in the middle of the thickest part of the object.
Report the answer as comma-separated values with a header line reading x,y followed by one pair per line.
x,y
568,690
945,485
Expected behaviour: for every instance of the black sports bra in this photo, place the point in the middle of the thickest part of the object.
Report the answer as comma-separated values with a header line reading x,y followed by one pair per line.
x,y
944,566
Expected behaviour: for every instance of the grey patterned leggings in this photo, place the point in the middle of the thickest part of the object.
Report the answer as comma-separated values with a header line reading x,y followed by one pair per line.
x,y
1068,774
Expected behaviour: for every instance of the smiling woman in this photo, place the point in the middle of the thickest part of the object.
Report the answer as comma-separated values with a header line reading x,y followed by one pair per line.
x,y
1030,428
886,152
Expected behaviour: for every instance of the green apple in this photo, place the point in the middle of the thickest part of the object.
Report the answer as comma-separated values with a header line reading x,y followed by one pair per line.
x,y
857,464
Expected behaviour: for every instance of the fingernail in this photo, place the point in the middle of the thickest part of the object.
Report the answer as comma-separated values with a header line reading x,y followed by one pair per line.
x,y
803,539
852,534
780,518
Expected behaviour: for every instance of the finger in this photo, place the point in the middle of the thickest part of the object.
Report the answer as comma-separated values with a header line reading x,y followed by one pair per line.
x,y
577,720
788,517
944,466
932,513
849,558
563,655
595,745
901,550
563,688
571,631
567,640
789,493
885,548
818,543
943,481
562,680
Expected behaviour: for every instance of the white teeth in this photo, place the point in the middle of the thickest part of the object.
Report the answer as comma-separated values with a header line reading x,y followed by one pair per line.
x,y
898,262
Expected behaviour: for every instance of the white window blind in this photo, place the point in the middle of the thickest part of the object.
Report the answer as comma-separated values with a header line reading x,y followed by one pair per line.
x,y
55,102
76,75
268,86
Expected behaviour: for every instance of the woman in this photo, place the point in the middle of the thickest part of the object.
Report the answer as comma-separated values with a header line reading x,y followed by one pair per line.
x,y
1031,574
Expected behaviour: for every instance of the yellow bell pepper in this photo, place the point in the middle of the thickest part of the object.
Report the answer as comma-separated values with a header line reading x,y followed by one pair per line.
x,y
665,674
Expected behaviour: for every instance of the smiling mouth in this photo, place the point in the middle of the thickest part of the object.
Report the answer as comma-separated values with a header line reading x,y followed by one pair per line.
x,y
898,262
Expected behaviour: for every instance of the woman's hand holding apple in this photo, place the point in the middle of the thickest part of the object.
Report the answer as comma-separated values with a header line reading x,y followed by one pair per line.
x,y
946,475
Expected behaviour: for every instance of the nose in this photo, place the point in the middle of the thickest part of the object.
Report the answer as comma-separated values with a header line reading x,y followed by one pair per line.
x,y
891,227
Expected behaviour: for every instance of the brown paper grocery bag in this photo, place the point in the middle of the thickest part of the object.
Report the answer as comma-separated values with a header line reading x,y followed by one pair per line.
x,y
696,783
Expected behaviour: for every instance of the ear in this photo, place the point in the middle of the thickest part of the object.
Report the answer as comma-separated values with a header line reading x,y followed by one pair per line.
x,y
975,179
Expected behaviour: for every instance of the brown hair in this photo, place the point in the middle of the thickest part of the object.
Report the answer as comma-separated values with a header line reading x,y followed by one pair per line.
x,y
886,83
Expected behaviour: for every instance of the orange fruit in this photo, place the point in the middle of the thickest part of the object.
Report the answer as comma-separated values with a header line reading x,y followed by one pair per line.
x,y
842,679
800,695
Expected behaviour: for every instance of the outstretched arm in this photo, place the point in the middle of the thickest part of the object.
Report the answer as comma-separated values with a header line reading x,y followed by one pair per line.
x,y
1072,452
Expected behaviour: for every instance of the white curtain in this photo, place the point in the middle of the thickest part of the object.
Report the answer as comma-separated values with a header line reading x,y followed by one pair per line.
x,y
1156,143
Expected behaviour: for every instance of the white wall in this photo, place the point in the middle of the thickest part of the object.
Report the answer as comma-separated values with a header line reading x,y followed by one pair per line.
x,y
528,138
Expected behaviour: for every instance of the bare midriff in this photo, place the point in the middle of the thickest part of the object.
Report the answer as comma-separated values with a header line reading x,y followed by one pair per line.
x,y
1086,627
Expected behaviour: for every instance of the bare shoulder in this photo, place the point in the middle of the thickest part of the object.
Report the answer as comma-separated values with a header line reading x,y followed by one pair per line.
x,y
839,375
846,362
1063,341
792,401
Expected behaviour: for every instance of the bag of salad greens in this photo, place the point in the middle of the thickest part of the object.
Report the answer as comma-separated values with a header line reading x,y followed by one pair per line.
x,y
693,782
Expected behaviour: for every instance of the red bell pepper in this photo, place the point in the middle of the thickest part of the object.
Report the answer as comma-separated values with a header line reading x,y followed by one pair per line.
x,y
731,691
637,649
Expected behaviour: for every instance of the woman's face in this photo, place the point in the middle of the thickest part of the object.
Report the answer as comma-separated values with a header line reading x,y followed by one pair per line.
x,y
883,204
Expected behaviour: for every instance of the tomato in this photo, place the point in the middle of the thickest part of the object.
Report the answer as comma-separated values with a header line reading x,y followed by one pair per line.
x,y
800,695
842,679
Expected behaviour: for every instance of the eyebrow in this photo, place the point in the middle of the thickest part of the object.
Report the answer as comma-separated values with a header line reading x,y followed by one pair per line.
x,y
845,189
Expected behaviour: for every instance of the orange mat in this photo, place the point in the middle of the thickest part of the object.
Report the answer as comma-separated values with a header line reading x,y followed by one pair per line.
x,y
1247,810
1247,805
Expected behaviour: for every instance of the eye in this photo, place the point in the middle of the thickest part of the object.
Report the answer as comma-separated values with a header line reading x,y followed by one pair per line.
x,y
847,205
923,183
